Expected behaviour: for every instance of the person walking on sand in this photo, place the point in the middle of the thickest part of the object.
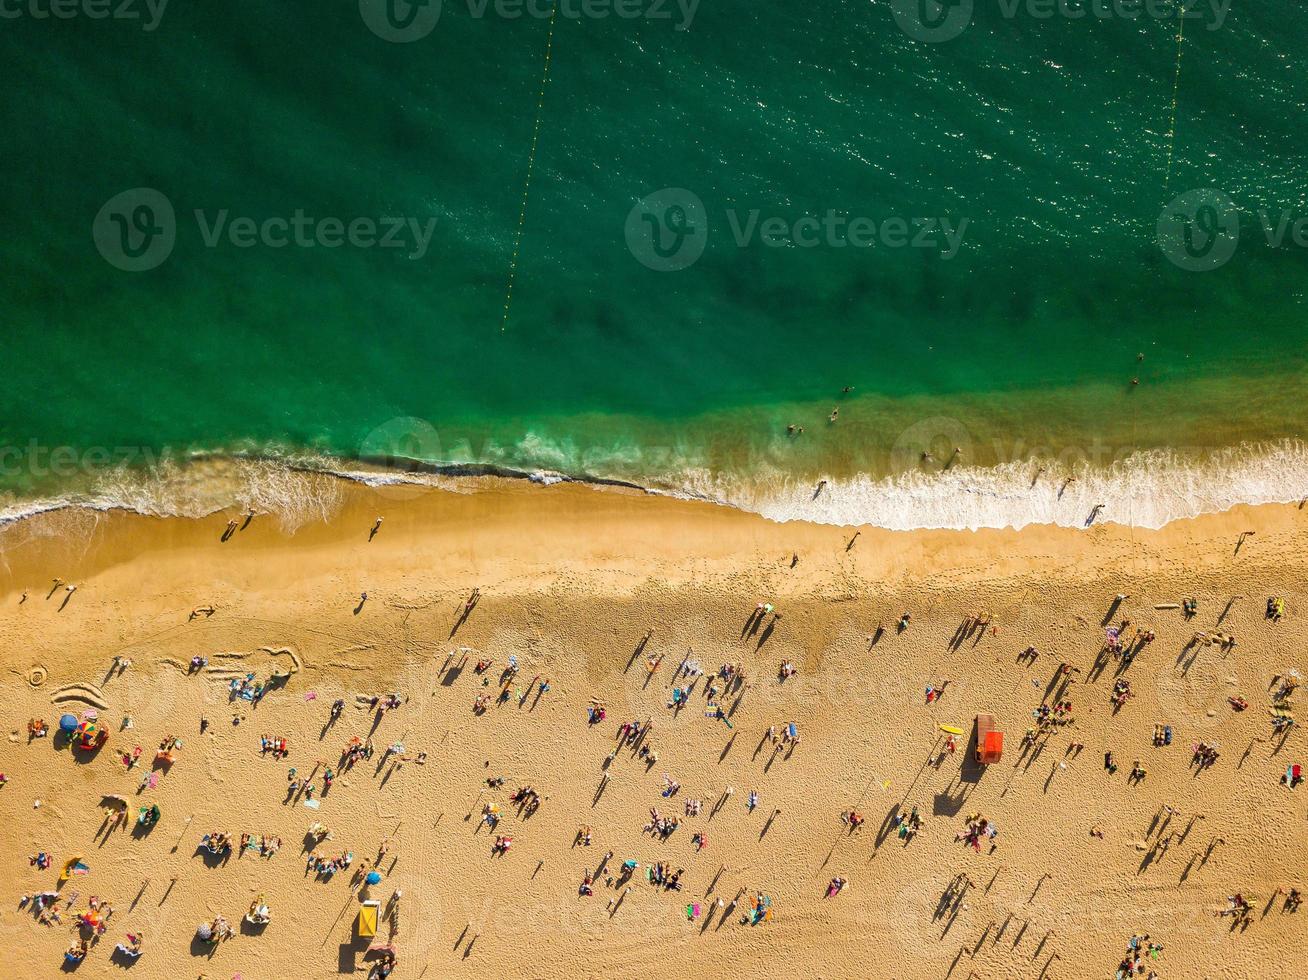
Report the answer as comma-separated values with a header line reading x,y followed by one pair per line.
x,y
376,526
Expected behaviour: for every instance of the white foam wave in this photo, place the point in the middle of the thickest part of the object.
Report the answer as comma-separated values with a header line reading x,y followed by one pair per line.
x,y
1147,489
295,493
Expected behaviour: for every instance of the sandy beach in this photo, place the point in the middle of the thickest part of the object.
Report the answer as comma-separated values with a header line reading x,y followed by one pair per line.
x,y
570,579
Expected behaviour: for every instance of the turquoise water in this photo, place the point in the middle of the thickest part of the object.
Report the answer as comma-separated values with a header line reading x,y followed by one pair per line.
x,y
1050,138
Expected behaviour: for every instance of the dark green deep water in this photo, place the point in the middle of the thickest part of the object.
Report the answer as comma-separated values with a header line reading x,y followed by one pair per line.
x,y
1048,137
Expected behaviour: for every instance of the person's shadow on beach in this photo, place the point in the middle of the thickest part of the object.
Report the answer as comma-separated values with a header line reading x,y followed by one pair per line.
x,y
948,804
345,957
211,859
122,959
452,673
640,648
142,830
468,607
887,825
1112,611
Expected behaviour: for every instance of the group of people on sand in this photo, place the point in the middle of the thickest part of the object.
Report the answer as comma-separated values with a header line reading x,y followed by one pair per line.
x,y
265,845
355,749
52,907
216,842
1223,641
906,825
325,867
277,745
527,798
906,822
1139,949
977,828
1049,716
1205,755
661,826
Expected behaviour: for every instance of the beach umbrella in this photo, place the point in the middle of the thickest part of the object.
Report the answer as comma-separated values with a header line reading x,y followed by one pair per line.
x,y
374,878
205,931
88,735
67,724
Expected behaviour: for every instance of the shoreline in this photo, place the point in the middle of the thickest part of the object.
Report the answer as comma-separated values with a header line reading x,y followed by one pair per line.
x,y
1146,489
528,519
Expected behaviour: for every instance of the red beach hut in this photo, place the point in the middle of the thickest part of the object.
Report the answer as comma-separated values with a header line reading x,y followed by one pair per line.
x,y
989,740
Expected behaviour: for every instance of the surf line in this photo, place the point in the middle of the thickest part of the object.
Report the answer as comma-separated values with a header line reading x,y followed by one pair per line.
x,y
531,162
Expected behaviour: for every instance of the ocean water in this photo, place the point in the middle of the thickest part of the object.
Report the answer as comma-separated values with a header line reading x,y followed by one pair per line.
x,y
582,282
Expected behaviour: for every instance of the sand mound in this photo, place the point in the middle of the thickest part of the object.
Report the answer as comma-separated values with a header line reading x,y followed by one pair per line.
x,y
87,694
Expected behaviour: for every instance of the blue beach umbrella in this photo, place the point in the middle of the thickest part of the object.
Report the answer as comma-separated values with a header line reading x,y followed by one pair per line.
x,y
374,878
68,724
